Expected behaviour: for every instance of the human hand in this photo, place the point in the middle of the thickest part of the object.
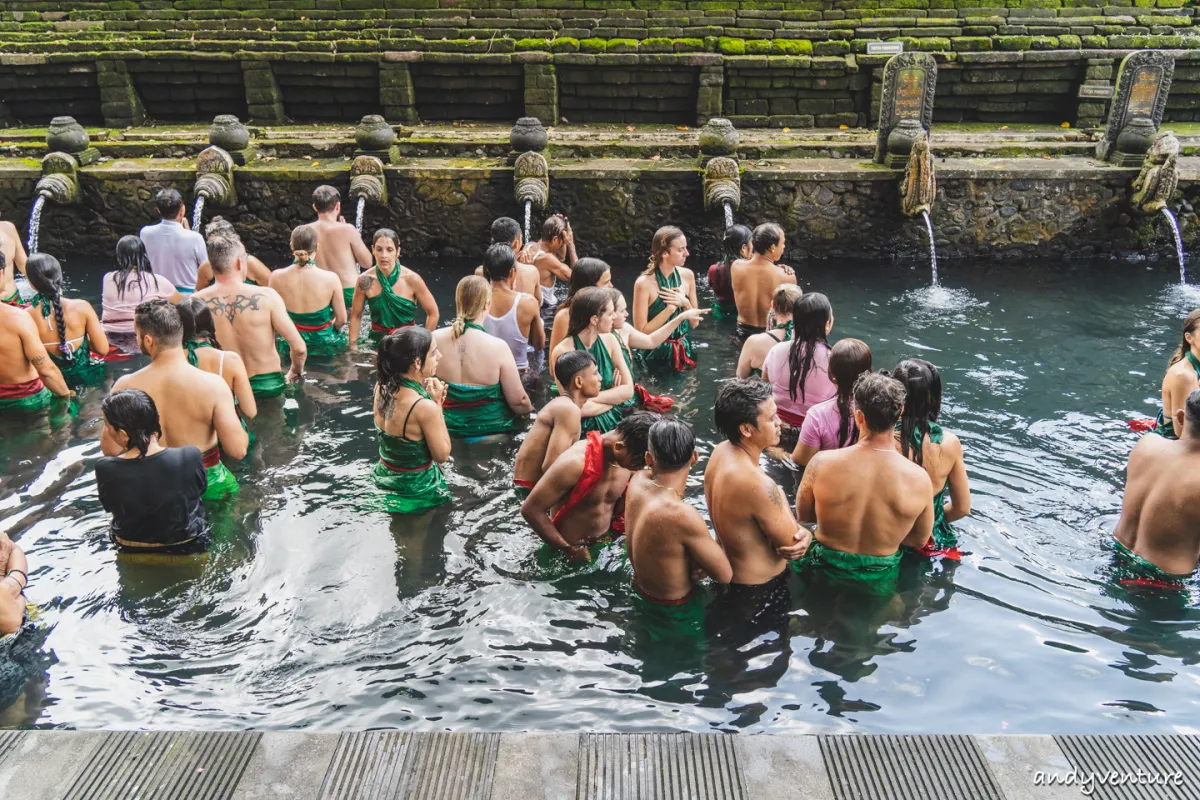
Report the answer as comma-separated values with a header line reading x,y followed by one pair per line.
x,y
787,270
797,550
341,219
578,554
694,314
673,298
436,389
293,376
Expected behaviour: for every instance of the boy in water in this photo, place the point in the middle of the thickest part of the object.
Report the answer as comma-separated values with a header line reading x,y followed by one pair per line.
x,y
558,424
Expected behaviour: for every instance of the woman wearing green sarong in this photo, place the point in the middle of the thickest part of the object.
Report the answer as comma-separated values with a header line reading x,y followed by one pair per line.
x,y
591,329
586,273
664,291
756,347
632,339
392,291
938,451
484,394
70,329
313,297
200,342
1182,378
413,440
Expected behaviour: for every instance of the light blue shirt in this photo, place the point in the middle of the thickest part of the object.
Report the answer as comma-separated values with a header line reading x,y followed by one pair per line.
x,y
174,253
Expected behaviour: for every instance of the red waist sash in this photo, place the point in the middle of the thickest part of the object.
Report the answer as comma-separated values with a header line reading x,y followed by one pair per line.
x,y
210,458
659,600
18,391
375,326
652,402
311,328
679,357
396,468
521,483
931,550
793,419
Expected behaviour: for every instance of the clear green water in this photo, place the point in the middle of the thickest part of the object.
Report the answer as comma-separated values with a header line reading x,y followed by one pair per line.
x,y
313,614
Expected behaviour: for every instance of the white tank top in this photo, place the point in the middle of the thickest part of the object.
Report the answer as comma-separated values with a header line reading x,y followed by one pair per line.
x,y
506,328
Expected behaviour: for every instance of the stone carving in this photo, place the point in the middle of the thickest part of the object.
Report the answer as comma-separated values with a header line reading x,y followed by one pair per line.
x,y
367,180
532,176
65,135
1143,82
1155,184
375,137
718,137
228,133
722,184
908,86
60,180
214,177
528,134
919,188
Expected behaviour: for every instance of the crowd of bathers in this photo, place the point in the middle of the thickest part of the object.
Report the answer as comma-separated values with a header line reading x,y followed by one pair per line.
x,y
602,460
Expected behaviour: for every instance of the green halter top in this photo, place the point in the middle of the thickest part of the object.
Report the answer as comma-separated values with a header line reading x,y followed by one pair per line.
x,y
605,422
1161,425
943,534
675,350
389,310
406,469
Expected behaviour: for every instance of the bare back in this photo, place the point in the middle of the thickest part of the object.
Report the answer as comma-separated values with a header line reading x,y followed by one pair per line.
x,y
305,289
16,332
655,540
340,249
729,479
754,283
557,421
243,318
14,257
1160,514
473,359
187,399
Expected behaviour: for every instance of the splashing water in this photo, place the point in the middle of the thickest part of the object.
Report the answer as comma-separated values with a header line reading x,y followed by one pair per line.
x,y
1178,245
728,216
35,222
932,248
198,214
528,211
358,214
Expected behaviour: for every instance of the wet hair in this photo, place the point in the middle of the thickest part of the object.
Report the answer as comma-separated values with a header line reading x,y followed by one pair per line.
x,y
554,227
570,364
131,257
1192,412
586,273
848,359
505,230
159,319
1189,326
634,431
499,261
45,274
133,412
303,244
785,297
766,236
922,403
168,202
810,315
738,403
660,245
386,233
470,298
880,398
672,443
197,321
588,303
325,199
395,356
736,237
217,226
223,251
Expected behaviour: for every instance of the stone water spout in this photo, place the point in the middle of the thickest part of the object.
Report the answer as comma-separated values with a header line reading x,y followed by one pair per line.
x,y
60,179
214,177
367,185
531,176
919,187
1155,184
722,186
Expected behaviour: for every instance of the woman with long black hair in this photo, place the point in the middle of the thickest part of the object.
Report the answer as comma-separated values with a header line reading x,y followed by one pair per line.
x,y
70,329
799,370
132,282
738,245
829,425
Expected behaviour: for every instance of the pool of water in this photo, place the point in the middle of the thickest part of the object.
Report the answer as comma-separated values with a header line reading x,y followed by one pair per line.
x,y
313,614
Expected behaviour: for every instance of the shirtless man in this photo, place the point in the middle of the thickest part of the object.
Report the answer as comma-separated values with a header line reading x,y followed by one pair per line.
x,y
12,258
749,511
667,539
557,425
585,487
1158,534
340,248
867,499
256,271
755,280
27,375
194,406
507,230
755,349
513,316
248,317
554,256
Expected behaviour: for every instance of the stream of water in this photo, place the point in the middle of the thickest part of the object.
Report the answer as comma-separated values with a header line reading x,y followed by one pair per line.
x,y
198,214
1178,245
358,214
932,248
35,224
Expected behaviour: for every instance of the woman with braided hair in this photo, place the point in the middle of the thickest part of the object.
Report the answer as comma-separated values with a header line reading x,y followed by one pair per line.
x,y
70,329
313,297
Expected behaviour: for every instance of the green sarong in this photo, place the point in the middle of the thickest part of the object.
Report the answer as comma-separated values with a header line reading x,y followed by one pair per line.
x,y
670,622
874,574
318,333
221,482
1132,571
676,351
407,472
13,299
553,563
268,384
476,411
81,369
25,398
603,423
390,311
348,294
1161,426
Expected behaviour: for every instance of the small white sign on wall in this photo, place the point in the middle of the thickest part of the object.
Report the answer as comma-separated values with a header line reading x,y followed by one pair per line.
x,y
884,48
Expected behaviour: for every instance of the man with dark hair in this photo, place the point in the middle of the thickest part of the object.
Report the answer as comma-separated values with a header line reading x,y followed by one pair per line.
x,y
867,499
248,317
513,315
256,271
554,256
28,377
506,230
749,511
557,425
175,252
1157,538
755,279
12,260
340,247
585,488
194,407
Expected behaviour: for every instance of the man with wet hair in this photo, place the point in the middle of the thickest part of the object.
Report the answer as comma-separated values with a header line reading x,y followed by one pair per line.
x,y
867,500
580,498
248,317
194,407
175,251
340,247
749,511
12,260
513,315
1157,538
507,230
256,271
558,424
554,256
755,279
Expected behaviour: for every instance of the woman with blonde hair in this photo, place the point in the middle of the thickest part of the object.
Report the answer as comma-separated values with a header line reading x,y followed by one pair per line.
x,y
313,297
484,394
664,291
755,349
592,316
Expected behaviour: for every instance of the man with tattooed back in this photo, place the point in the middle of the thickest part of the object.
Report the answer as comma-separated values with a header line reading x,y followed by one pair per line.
x,y
248,317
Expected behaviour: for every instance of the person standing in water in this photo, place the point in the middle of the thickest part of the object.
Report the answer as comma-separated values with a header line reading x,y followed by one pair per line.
x,y
12,259
14,577
591,329
174,251
506,230
195,408
154,493
664,291
312,296
256,271
248,318
829,425
203,352
754,281
630,338
28,378
588,272
413,440
559,423
392,291
939,452
340,249
554,256
755,349
513,315
738,247
70,329
484,395
798,371
1182,377
131,283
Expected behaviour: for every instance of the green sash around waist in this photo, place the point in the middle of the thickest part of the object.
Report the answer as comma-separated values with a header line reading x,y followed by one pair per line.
x,y
38,401
472,411
81,369
221,483
406,471
326,340
268,384
876,574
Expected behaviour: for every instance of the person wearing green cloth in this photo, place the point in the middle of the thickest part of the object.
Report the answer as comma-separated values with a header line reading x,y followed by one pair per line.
x,y
484,393
12,258
664,291
939,452
200,344
867,500
413,440
312,296
342,250
70,329
29,380
558,424
392,291
1182,377
756,347
591,325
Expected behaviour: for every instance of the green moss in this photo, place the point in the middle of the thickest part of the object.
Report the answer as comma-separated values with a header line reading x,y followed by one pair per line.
x,y
837,48
731,47
792,47
525,45
689,45
622,45
1070,42
758,47
1095,42
1014,43
657,45
565,44
593,45
971,44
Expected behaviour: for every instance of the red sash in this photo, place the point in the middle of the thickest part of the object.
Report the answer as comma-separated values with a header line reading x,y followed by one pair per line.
x,y
1153,584
1142,425
19,391
375,326
521,483
652,402
679,356
795,420
660,601
593,471
311,328
448,403
931,550
210,458
395,468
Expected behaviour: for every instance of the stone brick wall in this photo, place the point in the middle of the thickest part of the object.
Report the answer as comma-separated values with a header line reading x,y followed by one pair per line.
x,y
628,94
